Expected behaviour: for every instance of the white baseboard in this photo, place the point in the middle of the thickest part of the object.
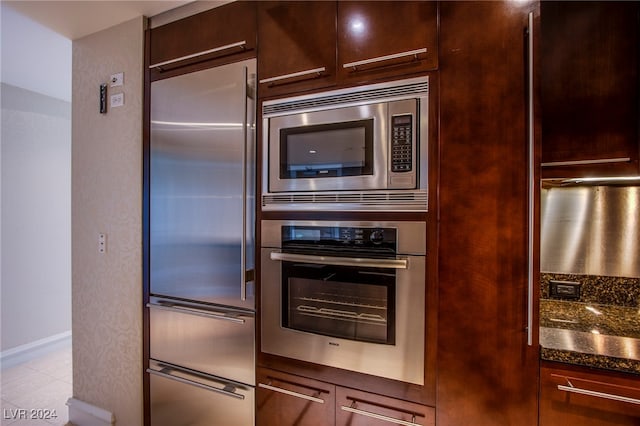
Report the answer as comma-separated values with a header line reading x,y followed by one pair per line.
x,y
84,414
23,353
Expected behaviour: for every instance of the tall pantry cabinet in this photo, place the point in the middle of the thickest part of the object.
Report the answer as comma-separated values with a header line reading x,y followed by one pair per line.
x,y
487,366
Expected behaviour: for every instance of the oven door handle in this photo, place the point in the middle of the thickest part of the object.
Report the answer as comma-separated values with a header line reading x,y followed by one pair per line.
x,y
341,261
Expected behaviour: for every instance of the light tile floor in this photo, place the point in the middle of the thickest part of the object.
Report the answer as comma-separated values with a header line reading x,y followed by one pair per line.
x,y
35,391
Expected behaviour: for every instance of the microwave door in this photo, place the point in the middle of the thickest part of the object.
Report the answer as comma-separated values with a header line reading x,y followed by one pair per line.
x,y
201,174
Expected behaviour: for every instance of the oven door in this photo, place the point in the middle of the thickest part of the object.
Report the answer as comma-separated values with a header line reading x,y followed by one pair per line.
x,y
330,150
364,315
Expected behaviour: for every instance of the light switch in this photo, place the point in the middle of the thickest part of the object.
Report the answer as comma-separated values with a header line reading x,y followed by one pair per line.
x,y
116,79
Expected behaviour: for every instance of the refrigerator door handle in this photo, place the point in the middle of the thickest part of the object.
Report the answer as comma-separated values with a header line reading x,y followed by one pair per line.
x,y
195,311
246,275
227,390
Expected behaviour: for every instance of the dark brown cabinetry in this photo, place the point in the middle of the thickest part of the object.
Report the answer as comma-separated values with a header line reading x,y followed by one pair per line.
x,y
589,88
575,396
286,399
357,408
386,38
487,371
214,37
297,46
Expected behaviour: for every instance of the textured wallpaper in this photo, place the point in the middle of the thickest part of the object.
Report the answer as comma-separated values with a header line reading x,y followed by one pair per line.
x,y
106,198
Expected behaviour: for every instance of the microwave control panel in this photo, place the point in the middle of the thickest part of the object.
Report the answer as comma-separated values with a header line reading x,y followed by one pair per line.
x,y
401,143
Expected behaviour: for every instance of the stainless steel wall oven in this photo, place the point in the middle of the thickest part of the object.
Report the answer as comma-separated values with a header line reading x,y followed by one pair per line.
x,y
349,295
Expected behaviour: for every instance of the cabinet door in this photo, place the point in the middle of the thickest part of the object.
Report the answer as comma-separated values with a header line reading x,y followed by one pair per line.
x,y
221,35
356,408
583,397
381,39
589,88
284,399
297,46
487,372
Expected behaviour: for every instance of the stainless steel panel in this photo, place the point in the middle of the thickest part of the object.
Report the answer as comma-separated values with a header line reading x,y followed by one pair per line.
x,y
213,340
411,236
403,361
202,162
592,230
183,398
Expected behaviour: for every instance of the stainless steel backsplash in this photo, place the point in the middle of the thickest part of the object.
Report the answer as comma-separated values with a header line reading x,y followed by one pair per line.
x,y
592,230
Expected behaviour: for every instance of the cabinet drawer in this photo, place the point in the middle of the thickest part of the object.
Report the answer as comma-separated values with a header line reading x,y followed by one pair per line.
x,y
583,397
183,398
356,408
215,341
283,399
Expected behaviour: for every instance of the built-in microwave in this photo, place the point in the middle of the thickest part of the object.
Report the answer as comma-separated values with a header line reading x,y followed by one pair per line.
x,y
362,148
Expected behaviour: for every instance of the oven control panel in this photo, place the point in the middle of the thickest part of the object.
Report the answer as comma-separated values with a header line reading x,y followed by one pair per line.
x,y
338,237
401,143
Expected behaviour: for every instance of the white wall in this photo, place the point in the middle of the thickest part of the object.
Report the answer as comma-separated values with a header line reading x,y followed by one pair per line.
x,y
36,182
107,198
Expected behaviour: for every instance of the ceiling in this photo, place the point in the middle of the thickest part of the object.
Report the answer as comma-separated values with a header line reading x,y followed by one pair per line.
x,y
76,19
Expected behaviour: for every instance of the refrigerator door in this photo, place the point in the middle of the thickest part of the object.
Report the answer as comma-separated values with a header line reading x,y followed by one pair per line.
x,y
180,397
215,341
202,185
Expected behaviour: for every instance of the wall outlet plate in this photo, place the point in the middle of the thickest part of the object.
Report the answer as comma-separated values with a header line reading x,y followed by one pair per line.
x,y
117,100
116,79
569,290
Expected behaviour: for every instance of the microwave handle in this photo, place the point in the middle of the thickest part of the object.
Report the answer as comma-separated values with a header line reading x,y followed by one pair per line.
x,y
341,261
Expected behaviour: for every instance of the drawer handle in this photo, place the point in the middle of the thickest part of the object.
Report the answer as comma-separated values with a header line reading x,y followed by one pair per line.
x,y
413,53
193,311
572,389
240,44
291,393
228,389
352,409
317,71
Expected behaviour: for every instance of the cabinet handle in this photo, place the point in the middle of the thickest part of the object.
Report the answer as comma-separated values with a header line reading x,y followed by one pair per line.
x,y
531,181
240,44
583,162
413,53
352,409
317,71
292,393
572,389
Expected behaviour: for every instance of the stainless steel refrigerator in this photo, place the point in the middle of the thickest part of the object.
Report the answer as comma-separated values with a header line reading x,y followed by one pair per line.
x,y
201,250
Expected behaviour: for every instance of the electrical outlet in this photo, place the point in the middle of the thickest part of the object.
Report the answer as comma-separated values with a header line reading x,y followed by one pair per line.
x,y
117,100
102,243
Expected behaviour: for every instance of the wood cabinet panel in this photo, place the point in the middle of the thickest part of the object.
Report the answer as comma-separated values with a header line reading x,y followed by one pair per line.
x,y
296,37
368,30
590,86
487,373
570,405
357,408
280,400
219,27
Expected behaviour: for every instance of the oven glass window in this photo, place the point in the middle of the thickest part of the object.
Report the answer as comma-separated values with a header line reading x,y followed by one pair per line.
x,y
327,150
346,302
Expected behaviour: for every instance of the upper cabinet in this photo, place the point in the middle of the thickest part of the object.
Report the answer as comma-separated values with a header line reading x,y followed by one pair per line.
x,y
297,46
221,35
589,88
382,39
